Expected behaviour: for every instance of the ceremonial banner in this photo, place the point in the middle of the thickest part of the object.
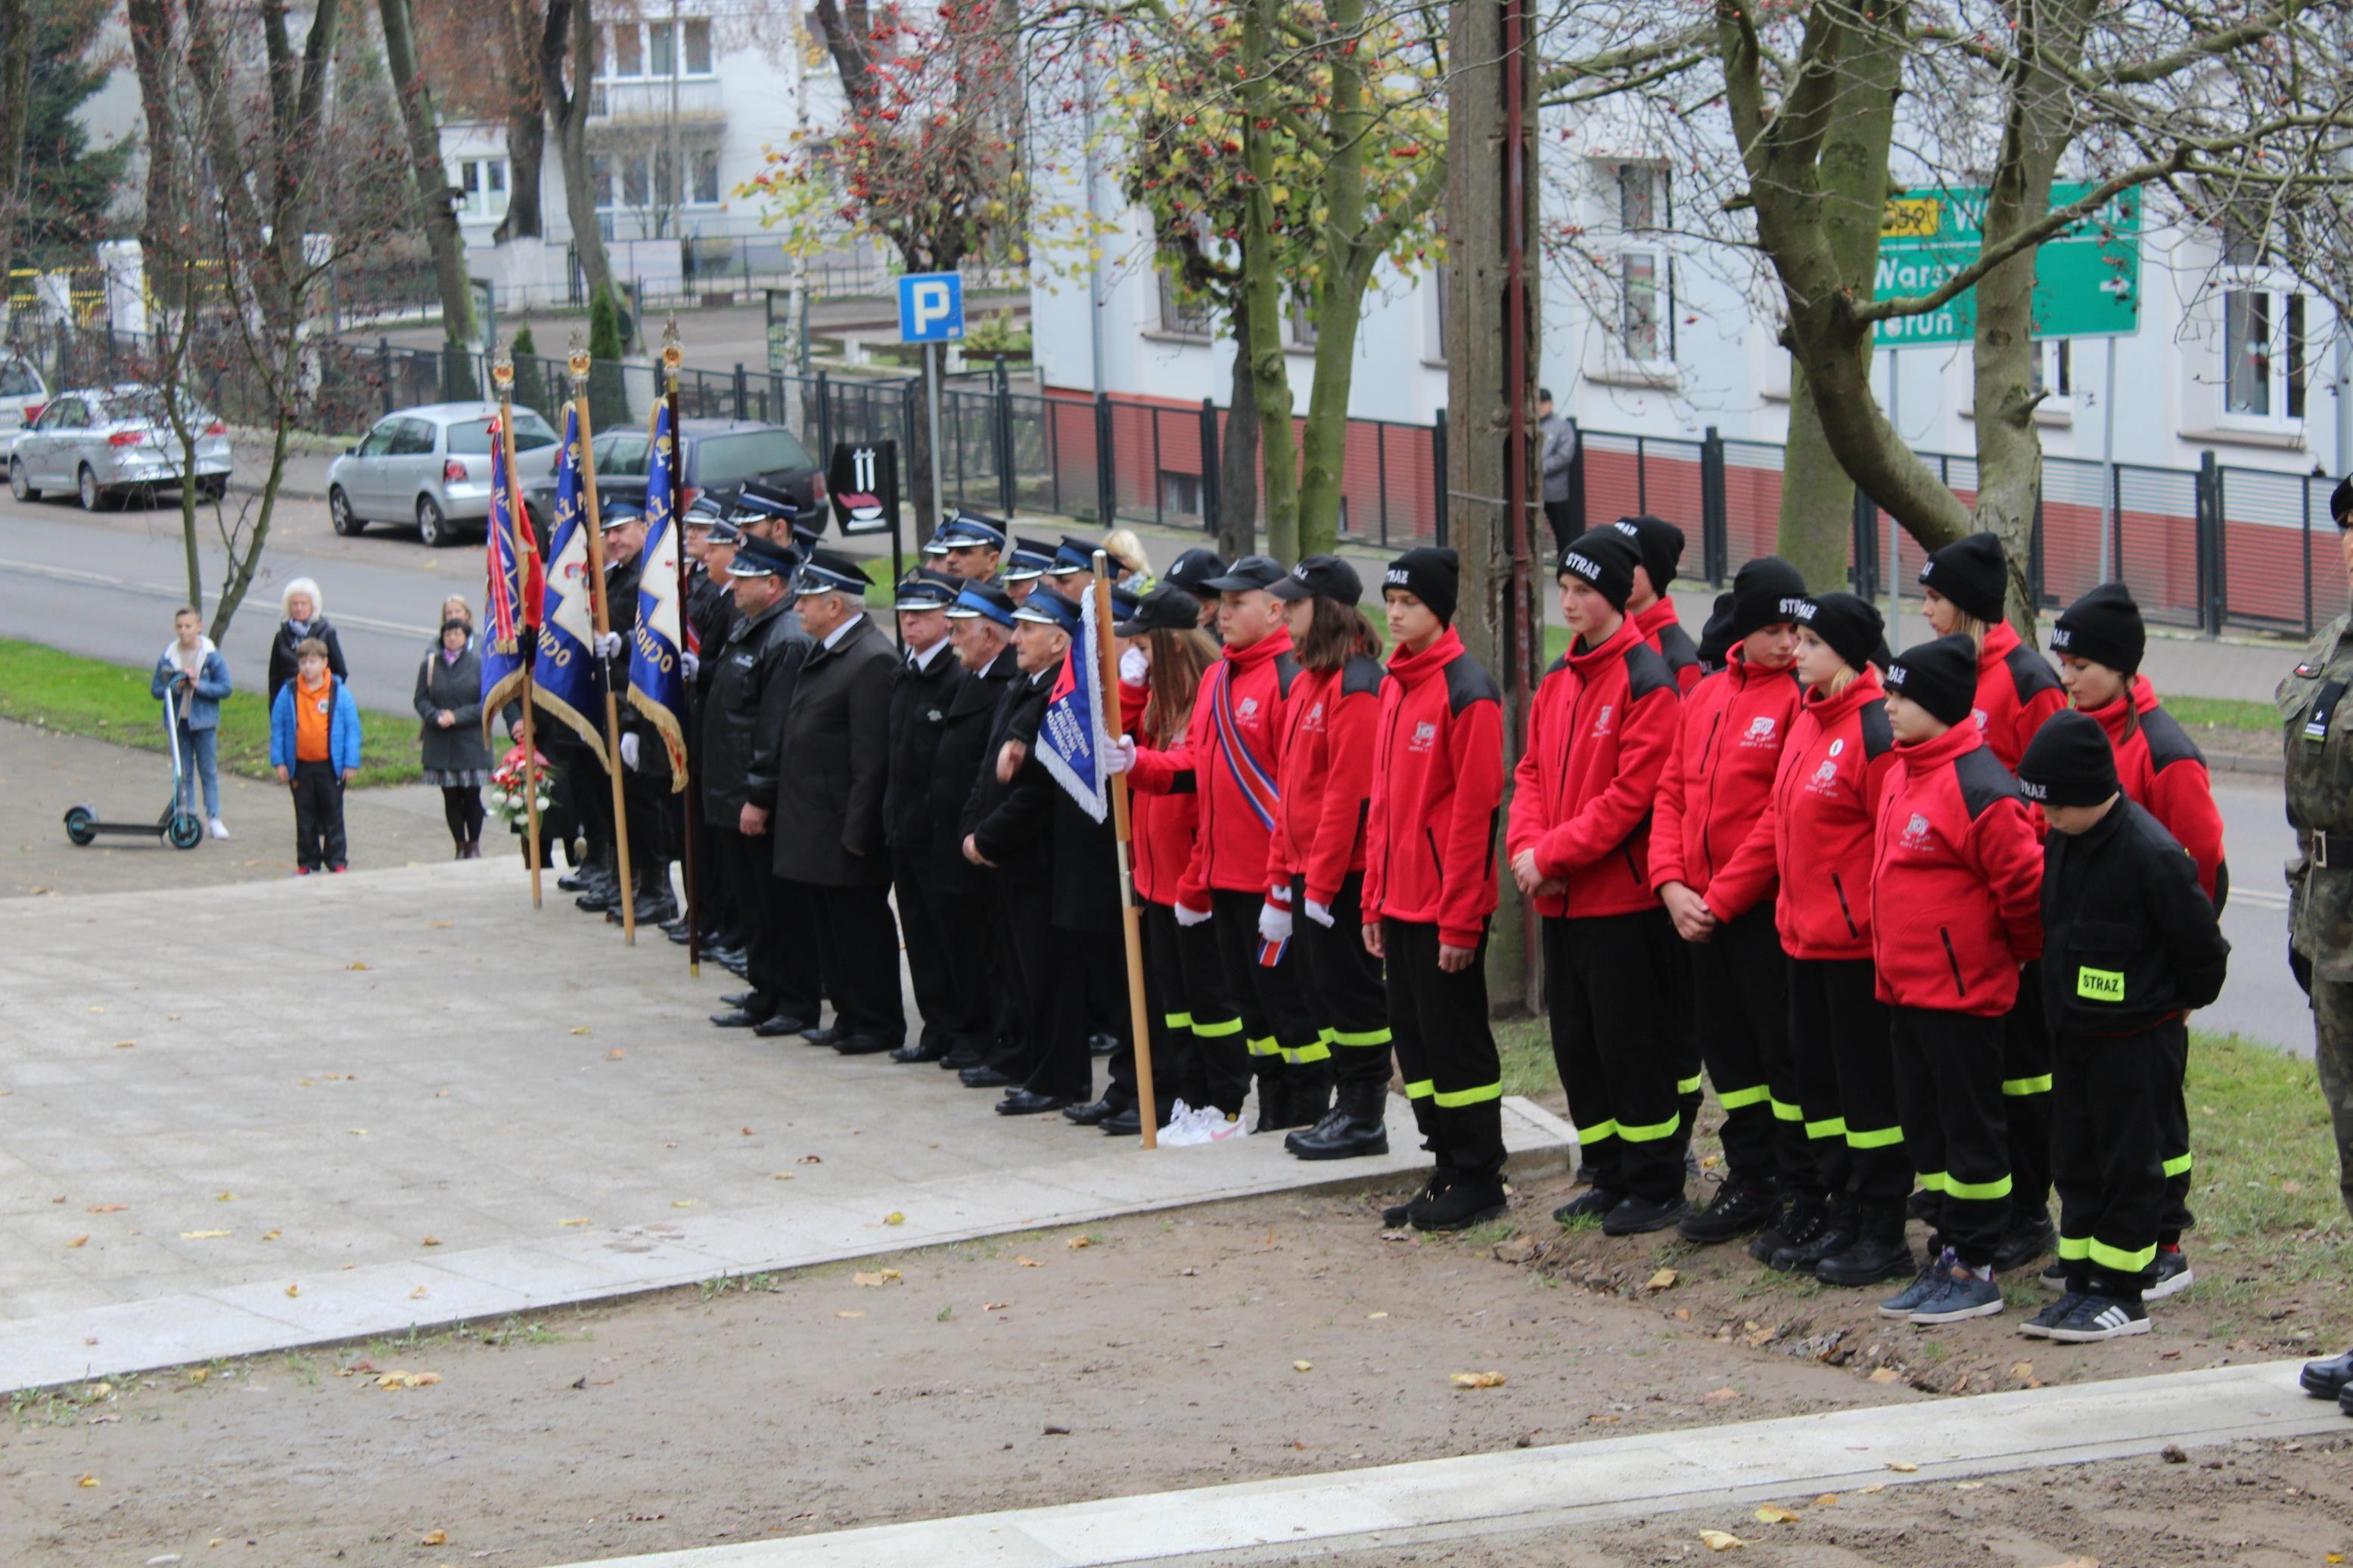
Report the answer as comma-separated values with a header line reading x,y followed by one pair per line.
x,y
517,585
1070,739
657,678
565,670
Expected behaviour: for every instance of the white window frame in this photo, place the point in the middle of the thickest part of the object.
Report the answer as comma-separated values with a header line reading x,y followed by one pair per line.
x,y
608,52
483,185
2286,354
1634,203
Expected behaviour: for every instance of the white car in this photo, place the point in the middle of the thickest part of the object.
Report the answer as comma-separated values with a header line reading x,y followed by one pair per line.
x,y
108,443
22,393
431,466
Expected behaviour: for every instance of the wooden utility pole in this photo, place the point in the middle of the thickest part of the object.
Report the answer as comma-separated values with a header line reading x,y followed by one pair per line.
x,y
1492,502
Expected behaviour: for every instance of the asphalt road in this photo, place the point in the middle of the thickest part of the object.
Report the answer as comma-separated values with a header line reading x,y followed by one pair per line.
x,y
105,586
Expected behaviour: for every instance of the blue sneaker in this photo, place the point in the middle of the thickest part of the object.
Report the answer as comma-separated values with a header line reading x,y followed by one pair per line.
x,y
1924,1284
1965,1294
2040,1325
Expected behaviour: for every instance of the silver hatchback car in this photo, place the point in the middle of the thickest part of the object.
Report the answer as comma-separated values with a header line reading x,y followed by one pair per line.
x,y
108,443
431,466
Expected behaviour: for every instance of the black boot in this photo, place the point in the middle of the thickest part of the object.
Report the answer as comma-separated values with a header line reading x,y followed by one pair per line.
x,y
1879,1251
1396,1214
1458,1204
1273,1103
1307,1092
590,875
1742,1204
2024,1237
1834,1233
1354,1125
1801,1216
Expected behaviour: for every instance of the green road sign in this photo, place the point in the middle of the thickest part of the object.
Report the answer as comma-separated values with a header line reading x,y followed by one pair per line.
x,y
2086,278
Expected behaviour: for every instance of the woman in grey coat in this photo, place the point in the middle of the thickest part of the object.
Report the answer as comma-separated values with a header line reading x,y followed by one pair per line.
x,y
449,701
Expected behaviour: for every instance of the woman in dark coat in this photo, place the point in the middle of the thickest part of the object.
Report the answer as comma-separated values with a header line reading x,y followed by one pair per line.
x,y
304,612
449,701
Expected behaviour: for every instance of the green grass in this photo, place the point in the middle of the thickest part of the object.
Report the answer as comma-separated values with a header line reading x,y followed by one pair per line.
x,y
79,696
2223,713
1526,1047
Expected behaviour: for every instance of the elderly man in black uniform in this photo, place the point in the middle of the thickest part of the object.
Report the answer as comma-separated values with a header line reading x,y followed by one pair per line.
x,y
707,601
829,820
925,684
754,673
984,978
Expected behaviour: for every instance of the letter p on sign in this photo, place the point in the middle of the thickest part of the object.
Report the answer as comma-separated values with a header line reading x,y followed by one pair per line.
x,y
931,308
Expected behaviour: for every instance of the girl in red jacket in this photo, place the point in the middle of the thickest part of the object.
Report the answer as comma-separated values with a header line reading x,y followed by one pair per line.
x,y
1199,1064
1956,875
1847,1225
1711,806
1429,888
1317,861
1599,735
1966,585
2099,640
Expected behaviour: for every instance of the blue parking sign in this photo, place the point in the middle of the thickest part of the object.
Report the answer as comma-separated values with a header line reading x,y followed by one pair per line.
x,y
931,308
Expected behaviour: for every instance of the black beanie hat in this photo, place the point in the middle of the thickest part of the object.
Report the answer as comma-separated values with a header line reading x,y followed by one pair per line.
x,y
1940,675
2104,626
1431,574
1604,557
1716,636
2340,503
1658,543
1973,573
2068,763
1765,589
1851,624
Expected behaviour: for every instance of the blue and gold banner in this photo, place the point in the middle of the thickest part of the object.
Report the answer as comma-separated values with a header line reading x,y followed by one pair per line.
x,y
565,673
516,588
657,677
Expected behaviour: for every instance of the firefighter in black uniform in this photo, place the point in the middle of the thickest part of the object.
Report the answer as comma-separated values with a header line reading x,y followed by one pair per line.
x,y
985,979
926,684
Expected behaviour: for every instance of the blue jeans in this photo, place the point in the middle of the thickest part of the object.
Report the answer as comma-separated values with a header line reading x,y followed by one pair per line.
x,y
196,762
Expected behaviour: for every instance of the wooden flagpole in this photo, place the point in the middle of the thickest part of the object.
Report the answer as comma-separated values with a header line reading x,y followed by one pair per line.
x,y
579,365
1131,916
673,357
502,374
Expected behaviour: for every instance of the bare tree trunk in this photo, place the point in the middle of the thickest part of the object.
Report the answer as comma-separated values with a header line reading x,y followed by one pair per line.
x,y
1238,453
572,30
435,209
526,149
1262,287
15,105
1480,400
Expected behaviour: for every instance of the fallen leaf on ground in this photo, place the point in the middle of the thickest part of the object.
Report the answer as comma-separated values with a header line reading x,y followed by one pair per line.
x,y
1369,1317
1886,1374
746,1131
1902,1467
780,1176
105,1208
681,1203
1477,1380
430,1241
1722,1395
356,1131
79,1240
198,1373
1302,1366
812,1160
355,964
434,1538
203,1235
1026,1262
1873,1486
124,1044
225,1197
849,1314
293,1289
1076,1242
994,1306
271,1235
579,1028
1720,1540
569,1222
417,1294
876,1278
1663,1280
2023,1370
87,1481
1774,1513
616,1054
894,1218
440,925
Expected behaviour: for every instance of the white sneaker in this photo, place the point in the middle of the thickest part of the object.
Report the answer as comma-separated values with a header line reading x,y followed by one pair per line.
x,y
1178,1113
1217,1126
220,828
1184,1130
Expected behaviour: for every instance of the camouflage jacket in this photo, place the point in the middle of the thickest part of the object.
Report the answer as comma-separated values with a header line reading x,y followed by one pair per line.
x,y
2320,799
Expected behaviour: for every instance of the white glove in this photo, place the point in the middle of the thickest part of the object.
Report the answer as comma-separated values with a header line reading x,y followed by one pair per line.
x,y
1274,922
1185,917
1133,666
629,752
1120,757
689,663
1320,914
608,644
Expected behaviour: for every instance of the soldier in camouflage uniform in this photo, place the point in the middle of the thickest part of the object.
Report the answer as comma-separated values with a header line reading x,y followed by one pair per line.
x,y
2318,717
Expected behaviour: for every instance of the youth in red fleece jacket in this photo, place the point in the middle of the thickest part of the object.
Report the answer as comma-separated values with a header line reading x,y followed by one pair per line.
x,y
1821,817
1230,845
2017,690
1663,630
1957,863
1327,778
1438,783
1713,791
2163,772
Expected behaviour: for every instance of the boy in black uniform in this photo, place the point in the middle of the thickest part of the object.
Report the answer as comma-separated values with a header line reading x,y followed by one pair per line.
x,y
2129,946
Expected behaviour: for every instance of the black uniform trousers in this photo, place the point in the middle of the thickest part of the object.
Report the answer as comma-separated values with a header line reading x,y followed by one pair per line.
x,y
1948,1068
1846,1078
1446,1048
715,872
1032,954
1089,994
2107,1099
980,984
1683,1007
1343,982
1606,990
1276,1025
2026,1100
1198,1054
2173,1131
645,800
858,943
782,962
319,840
1741,990
923,922
591,794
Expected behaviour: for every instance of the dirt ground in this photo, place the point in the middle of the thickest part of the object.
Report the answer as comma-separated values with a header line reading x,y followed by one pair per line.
x,y
1165,1351
2259,1505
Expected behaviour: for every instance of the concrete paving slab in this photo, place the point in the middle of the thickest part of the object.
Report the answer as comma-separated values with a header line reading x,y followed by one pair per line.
x,y
339,1070
1571,1484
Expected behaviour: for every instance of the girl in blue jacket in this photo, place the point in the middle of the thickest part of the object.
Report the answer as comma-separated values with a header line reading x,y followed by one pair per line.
x,y
193,675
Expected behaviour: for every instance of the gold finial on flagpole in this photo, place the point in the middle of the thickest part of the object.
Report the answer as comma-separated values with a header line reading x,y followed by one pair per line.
x,y
503,375
577,358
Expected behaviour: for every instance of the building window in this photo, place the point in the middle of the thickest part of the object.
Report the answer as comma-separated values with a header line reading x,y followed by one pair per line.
x,y
2265,359
600,178
481,188
2054,367
1638,304
661,54
1180,493
1301,318
706,175
628,52
1178,314
1641,197
698,49
635,186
